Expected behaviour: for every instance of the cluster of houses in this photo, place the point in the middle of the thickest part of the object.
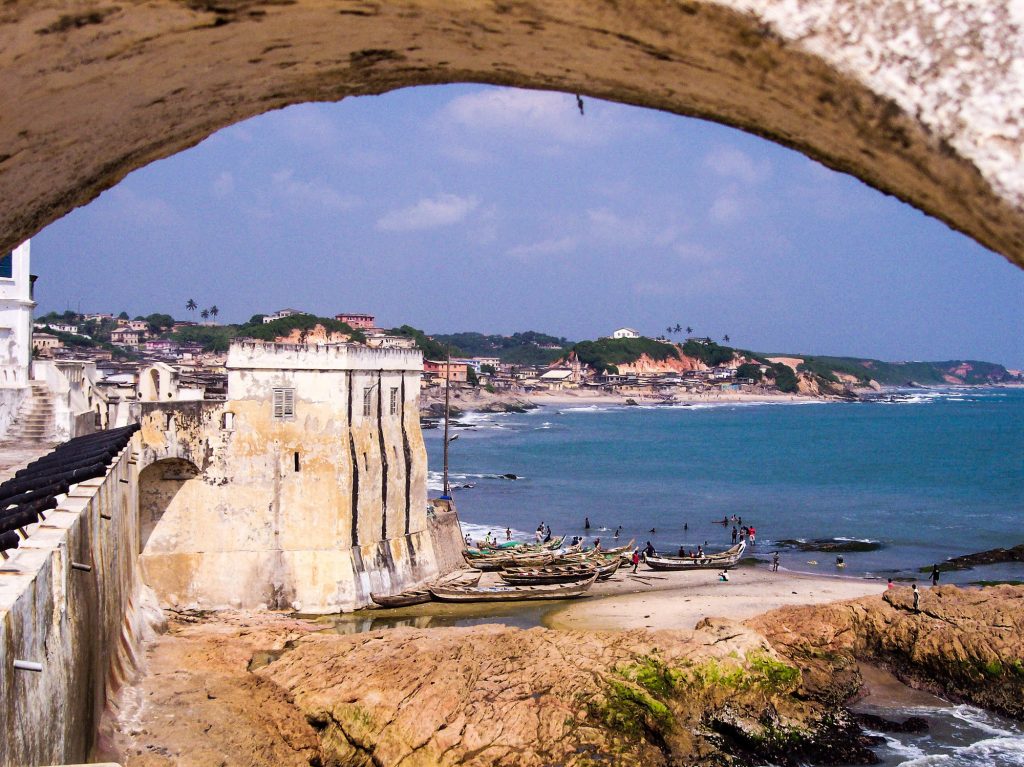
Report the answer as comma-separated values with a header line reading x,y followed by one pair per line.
x,y
525,379
134,335
199,374
570,374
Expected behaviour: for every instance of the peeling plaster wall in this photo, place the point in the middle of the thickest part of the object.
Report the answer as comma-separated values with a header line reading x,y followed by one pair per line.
x,y
923,99
250,530
84,627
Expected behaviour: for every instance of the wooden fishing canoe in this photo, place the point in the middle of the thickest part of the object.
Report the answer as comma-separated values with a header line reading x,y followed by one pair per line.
x,y
558,573
507,593
722,560
421,594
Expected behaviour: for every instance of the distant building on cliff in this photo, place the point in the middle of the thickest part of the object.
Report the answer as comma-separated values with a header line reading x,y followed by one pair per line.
x,y
625,333
356,320
280,314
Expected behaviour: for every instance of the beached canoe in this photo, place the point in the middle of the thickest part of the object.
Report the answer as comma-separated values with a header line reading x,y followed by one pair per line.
x,y
722,560
514,559
508,593
518,547
558,573
421,594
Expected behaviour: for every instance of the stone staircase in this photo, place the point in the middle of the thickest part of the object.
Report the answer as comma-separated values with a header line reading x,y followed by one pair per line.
x,y
34,421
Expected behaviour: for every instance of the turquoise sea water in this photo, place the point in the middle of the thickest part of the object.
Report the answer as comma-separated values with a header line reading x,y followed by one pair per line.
x,y
927,474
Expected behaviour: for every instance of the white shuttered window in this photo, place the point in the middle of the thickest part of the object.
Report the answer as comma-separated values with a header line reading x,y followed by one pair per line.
x,y
284,404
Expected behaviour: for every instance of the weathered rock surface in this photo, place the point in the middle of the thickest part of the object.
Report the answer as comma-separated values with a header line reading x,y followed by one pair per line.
x,y
487,695
918,98
964,644
990,557
199,705
268,690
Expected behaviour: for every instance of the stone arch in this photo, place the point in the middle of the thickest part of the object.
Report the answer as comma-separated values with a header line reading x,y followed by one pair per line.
x,y
160,485
95,90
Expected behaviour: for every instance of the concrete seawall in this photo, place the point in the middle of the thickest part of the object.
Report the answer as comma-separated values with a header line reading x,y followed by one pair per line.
x,y
82,626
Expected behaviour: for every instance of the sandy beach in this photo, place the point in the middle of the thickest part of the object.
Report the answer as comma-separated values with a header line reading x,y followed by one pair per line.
x,y
679,600
480,399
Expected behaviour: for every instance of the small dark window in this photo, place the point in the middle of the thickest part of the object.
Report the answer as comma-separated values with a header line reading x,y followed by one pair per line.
x,y
296,461
7,265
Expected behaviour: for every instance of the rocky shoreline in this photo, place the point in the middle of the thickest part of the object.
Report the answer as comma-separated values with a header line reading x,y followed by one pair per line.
x,y
268,689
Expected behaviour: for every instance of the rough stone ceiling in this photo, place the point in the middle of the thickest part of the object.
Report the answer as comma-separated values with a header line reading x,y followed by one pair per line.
x,y
923,99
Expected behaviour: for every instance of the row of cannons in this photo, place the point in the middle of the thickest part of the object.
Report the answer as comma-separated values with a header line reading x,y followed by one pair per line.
x,y
34,490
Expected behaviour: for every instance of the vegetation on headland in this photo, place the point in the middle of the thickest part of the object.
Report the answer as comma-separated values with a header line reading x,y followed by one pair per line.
x,y
526,348
432,347
605,354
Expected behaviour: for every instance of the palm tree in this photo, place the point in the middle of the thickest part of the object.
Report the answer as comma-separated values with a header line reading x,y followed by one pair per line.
x,y
668,329
726,338
678,328
215,311
191,305
689,330
205,314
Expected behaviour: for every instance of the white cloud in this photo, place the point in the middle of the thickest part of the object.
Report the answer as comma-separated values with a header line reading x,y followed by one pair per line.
x,y
428,213
224,184
550,247
694,253
733,163
727,208
308,124
533,114
310,193
127,205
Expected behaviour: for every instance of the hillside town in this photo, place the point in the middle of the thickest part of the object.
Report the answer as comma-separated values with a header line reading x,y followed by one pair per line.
x,y
119,351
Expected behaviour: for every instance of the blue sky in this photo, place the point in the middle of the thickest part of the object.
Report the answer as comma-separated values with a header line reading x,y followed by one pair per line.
x,y
477,208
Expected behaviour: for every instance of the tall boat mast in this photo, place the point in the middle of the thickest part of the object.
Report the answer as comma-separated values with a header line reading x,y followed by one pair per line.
x,y
447,407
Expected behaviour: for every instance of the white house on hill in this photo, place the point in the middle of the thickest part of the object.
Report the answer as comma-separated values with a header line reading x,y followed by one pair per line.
x,y
625,333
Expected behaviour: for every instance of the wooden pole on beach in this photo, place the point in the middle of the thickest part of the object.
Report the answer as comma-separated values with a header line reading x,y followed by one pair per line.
x,y
447,405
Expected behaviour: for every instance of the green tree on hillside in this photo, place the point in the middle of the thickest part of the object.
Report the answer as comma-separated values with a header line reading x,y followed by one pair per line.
x,y
749,370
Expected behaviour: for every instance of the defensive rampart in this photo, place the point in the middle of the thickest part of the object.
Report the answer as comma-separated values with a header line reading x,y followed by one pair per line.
x,y
71,615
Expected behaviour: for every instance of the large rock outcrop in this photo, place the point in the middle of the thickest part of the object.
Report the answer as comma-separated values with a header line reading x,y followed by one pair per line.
x,y
269,690
265,691
964,644
920,99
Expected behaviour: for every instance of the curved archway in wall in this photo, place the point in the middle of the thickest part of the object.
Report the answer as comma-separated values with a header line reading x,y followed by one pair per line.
x,y
94,90
160,488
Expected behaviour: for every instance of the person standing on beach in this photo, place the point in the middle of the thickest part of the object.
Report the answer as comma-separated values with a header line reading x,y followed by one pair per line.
x,y
586,523
635,559
935,575
917,599
735,533
775,563
508,533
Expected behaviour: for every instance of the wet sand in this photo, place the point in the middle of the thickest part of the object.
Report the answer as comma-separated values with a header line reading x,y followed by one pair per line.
x,y
679,600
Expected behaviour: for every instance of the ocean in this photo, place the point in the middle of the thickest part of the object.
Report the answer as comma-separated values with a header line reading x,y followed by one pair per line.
x,y
914,477
907,480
